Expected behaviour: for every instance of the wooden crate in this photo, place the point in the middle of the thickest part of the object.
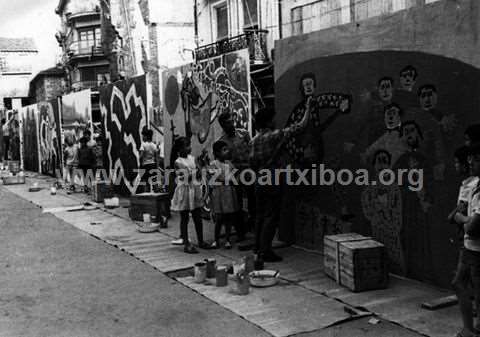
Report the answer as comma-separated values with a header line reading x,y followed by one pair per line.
x,y
14,166
356,262
101,190
155,204
13,180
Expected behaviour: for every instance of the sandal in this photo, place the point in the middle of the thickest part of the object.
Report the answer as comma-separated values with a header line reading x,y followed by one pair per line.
x,y
190,250
204,245
214,245
228,245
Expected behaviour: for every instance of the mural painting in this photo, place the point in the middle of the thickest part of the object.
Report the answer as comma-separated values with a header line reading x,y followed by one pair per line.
x,y
30,139
408,112
49,137
124,113
197,93
76,114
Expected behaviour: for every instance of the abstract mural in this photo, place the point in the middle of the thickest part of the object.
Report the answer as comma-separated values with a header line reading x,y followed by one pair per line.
x,y
76,114
124,113
408,111
29,138
196,94
50,137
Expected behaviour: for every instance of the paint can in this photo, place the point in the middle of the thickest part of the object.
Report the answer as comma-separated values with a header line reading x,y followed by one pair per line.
x,y
222,276
211,264
243,285
259,265
147,218
249,262
200,270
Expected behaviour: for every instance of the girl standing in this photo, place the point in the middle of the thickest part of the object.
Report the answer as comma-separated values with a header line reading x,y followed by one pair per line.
x,y
223,195
187,197
71,162
148,157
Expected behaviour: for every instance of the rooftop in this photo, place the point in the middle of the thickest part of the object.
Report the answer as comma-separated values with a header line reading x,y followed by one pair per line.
x,y
17,45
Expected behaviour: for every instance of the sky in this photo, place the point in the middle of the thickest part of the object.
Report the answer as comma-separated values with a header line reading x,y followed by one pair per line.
x,y
35,19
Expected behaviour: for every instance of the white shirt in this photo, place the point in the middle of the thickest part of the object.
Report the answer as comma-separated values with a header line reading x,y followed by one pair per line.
x,y
472,189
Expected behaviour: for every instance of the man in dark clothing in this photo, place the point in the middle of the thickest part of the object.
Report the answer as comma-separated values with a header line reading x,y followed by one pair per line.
x,y
264,150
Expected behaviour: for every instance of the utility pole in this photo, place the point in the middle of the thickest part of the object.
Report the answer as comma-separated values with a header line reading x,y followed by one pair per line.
x,y
195,21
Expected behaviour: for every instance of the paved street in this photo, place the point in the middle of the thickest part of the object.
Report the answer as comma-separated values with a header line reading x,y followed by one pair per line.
x,y
59,281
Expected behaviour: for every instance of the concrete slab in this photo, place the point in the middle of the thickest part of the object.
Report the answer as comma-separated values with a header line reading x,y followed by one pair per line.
x,y
282,310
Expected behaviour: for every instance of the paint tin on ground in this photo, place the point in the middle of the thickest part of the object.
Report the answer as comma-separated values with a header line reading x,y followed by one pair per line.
x,y
243,285
221,276
211,264
200,269
249,262
259,265
147,218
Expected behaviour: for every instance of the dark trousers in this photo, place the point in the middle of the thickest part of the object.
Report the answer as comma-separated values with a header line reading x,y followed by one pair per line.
x,y
243,226
197,220
226,220
268,208
6,146
147,175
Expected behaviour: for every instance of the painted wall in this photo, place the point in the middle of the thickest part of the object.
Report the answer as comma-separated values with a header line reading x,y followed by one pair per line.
x,y
196,94
438,93
124,115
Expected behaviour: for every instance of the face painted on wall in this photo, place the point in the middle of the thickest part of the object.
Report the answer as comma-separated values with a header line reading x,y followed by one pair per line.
x,y
428,98
385,90
392,117
407,79
411,135
308,85
382,161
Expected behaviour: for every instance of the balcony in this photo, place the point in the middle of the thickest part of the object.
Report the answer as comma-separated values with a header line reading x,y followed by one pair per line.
x,y
82,85
84,48
254,40
84,15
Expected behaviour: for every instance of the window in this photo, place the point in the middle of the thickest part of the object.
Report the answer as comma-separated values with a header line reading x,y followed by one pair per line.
x,y
3,64
250,14
297,20
222,21
89,38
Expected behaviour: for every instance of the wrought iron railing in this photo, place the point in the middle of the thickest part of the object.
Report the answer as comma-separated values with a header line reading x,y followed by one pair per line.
x,y
84,48
254,40
82,85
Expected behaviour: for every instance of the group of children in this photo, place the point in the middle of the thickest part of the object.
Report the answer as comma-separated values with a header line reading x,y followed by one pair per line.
x,y
81,160
466,216
190,193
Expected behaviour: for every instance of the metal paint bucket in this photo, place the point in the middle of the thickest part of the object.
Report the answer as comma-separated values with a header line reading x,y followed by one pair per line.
x,y
200,269
221,276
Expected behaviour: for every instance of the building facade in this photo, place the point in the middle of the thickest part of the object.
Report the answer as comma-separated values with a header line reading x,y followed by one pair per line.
x,y
47,84
16,59
85,60
223,26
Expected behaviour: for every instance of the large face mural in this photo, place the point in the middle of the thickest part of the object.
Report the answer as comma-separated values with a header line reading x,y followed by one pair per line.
x,y
196,94
408,112
124,112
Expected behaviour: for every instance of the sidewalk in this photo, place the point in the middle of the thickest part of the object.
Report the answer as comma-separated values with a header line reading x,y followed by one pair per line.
x,y
305,300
